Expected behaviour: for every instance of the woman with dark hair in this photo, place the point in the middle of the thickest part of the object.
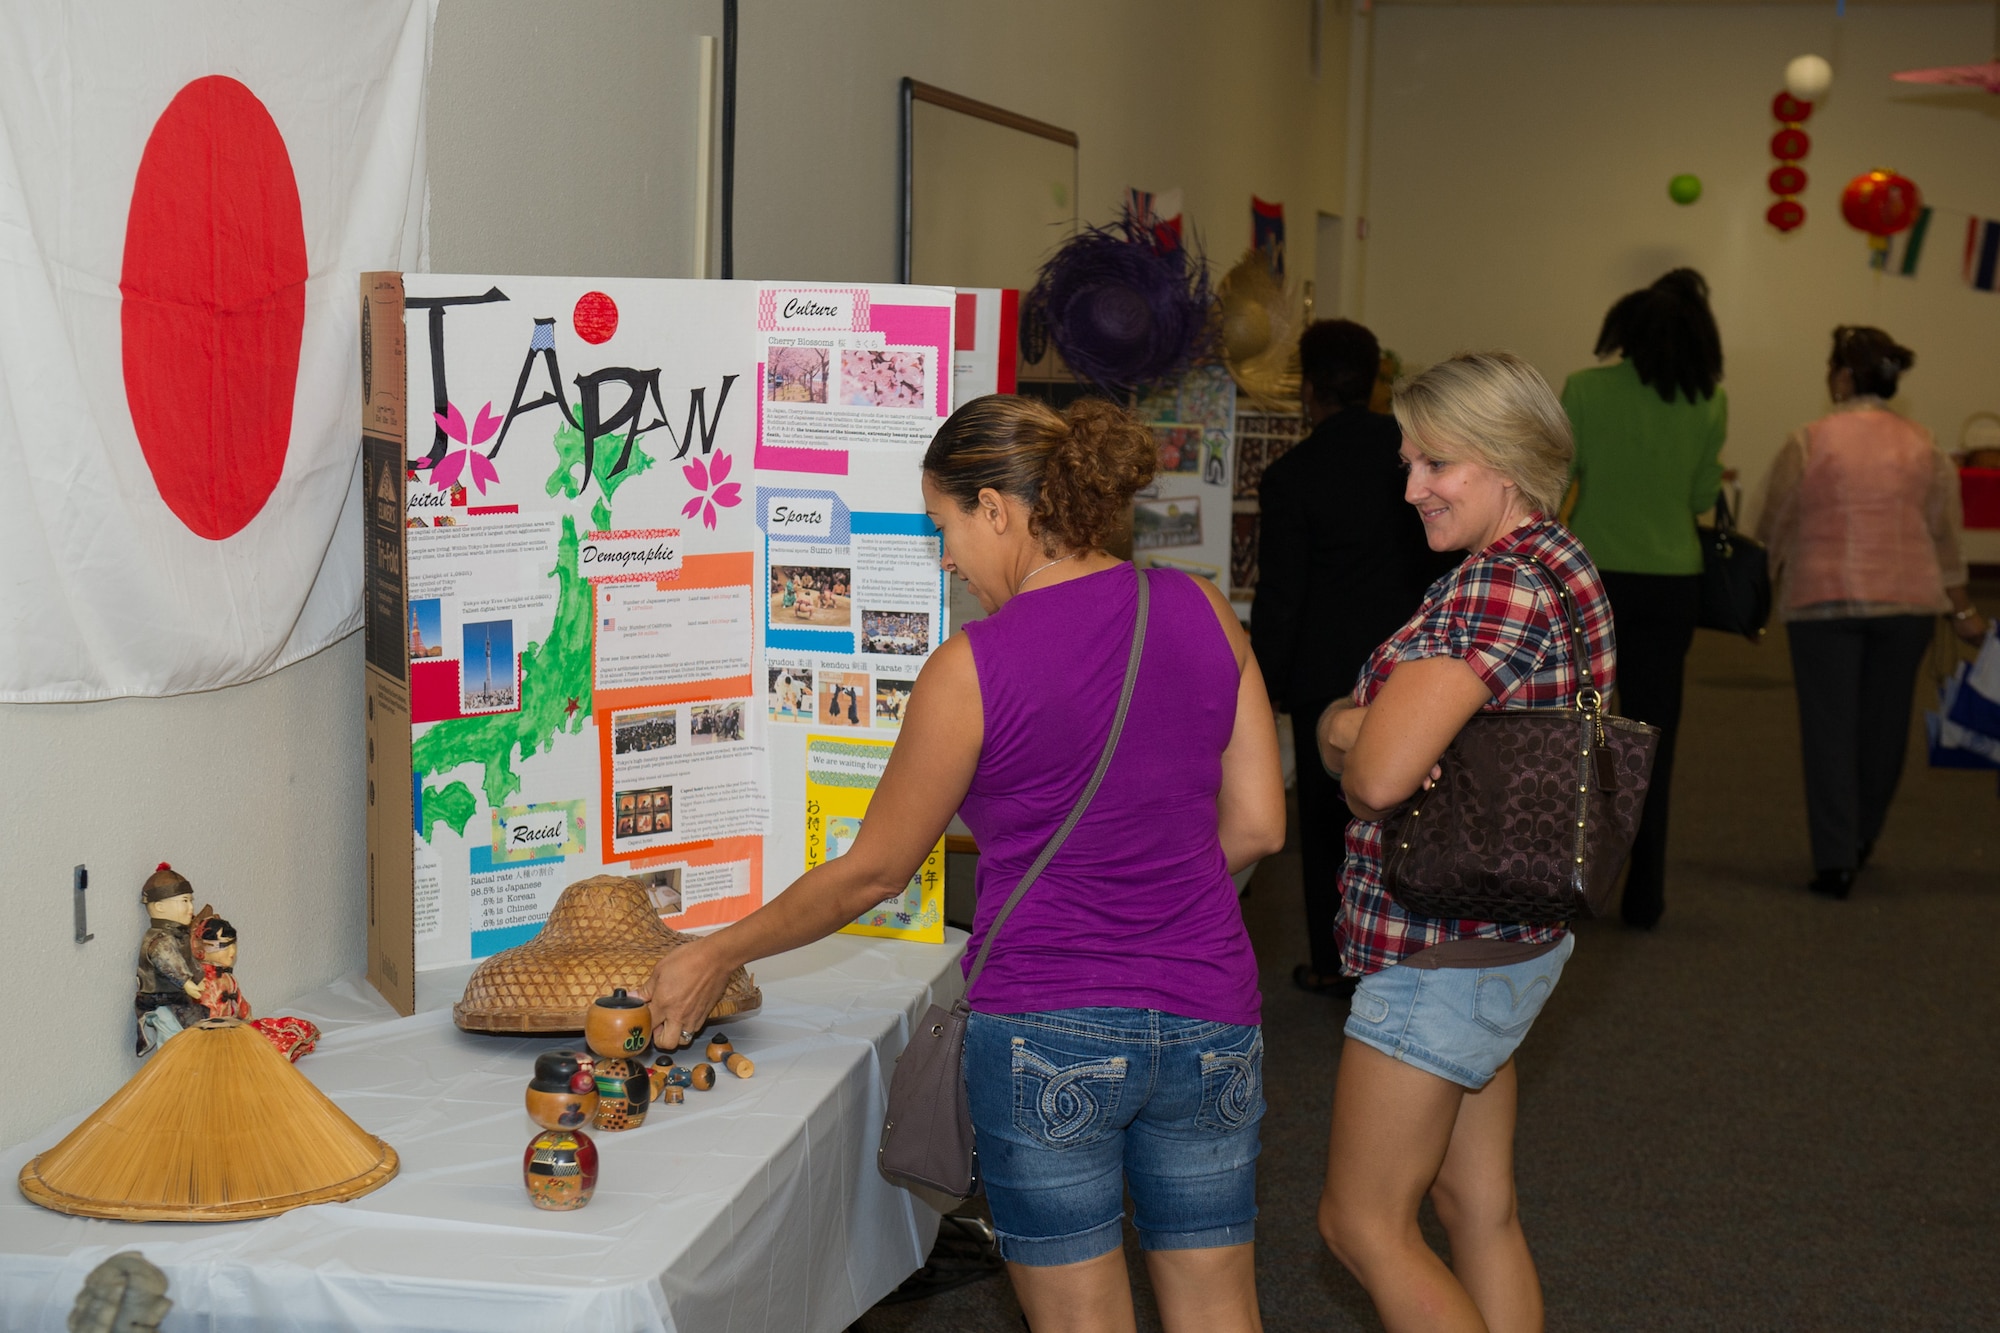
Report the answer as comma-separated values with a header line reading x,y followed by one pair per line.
x,y
1343,562
1114,1043
1649,432
1862,517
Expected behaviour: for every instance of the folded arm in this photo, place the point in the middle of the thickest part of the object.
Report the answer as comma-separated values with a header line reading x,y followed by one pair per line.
x,y
1384,752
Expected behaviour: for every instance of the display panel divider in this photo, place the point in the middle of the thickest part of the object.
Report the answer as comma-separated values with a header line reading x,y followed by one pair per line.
x,y
391,819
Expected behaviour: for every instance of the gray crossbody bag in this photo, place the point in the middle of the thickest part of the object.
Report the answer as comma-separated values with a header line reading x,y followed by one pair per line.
x,y
927,1135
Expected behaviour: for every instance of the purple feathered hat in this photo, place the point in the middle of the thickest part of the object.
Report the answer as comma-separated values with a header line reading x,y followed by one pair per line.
x,y
1123,312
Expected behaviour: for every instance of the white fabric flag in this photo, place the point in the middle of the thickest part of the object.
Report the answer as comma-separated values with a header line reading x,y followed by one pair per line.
x,y
188,193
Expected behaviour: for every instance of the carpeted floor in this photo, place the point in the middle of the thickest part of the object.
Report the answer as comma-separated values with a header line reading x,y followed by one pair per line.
x,y
1774,1112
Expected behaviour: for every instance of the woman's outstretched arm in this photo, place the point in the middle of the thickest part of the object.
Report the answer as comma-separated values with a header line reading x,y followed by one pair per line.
x,y
926,780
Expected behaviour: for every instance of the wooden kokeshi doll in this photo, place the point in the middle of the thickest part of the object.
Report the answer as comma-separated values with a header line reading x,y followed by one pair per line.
x,y
624,1090
700,1077
663,1065
562,1095
618,1025
560,1169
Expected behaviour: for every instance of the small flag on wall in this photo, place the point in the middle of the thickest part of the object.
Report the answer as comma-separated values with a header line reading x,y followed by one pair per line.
x,y
1982,252
1267,232
1905,249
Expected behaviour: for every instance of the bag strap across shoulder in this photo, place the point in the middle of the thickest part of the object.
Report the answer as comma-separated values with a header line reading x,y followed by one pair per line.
x,y
1090,789
1579,647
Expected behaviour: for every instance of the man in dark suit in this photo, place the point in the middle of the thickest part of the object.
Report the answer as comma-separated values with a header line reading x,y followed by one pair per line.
x,y
1342,563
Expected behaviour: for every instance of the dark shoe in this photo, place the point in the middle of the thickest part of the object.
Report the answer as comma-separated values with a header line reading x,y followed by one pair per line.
x,y
1642,907
1861,857
1833,883
1319,983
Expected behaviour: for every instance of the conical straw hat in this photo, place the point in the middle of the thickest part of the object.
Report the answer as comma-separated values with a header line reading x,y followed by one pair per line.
x,y
217,1127
603,934
1259,336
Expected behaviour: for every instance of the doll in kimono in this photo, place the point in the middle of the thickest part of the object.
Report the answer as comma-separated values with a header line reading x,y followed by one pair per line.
x,y
214,942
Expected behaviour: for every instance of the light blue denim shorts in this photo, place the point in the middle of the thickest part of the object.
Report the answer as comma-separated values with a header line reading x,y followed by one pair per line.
x,y
1072,1108
1460,1023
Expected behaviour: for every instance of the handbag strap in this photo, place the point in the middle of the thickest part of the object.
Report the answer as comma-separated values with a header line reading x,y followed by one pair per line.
x,y
1090,789
1579,647
1725,515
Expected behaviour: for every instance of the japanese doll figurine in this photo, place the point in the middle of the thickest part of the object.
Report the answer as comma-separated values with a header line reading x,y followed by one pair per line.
x,y
169,980
618,1025
617,1028
560,1169
213,942
624,1091
562,1095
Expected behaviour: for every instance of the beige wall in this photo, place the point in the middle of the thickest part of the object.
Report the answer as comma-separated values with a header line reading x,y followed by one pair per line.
x,y
1216,98
563,139
1520,159
254,793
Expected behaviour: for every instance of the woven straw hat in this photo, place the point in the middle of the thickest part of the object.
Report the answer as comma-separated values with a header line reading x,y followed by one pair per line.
x,y
1260,337
217,1127
603,934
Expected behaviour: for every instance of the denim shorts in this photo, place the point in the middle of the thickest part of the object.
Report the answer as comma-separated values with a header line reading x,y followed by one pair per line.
x,y
1071,1109
1460,1023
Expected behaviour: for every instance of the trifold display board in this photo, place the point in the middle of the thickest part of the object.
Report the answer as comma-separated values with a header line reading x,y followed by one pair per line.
x,y
649,581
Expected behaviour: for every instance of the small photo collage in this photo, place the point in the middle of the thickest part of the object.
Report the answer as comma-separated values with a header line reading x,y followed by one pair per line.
x,y
837,694
643,813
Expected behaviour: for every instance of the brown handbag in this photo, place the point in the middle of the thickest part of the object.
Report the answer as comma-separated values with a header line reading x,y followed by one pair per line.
x,y
927,1134
1533,812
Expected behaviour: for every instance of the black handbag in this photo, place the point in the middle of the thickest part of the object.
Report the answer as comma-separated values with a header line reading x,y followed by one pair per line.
x,y
1735,577
1533,812
927,1135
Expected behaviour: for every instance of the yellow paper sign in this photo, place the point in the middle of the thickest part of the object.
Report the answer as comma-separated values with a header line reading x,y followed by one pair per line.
x,y
841,774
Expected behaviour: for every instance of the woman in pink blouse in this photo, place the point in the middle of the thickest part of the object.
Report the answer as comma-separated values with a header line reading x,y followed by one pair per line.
x,y
1862,519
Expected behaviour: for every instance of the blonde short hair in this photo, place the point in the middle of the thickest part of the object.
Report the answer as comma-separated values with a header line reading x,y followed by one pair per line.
x,y
1496,410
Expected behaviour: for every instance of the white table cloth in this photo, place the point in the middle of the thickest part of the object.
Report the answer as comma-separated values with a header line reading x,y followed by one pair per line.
x,y
754,1206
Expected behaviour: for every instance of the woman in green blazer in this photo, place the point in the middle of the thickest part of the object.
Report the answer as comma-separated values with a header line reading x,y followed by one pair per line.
x,y
1649,432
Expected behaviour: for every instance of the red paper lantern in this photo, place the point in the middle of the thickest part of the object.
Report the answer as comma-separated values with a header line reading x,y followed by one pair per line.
x,y
1787,179
1785,214
1880,203
1789,109
1790,144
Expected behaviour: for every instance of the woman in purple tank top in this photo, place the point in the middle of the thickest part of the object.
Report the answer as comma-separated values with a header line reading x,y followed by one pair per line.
x,y
1114,1042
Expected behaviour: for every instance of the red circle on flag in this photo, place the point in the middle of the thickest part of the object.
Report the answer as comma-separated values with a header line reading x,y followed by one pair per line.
x,y
214,305
595,317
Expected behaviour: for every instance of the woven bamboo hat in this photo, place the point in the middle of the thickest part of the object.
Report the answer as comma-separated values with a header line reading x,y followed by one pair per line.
x,y
1259,333
217,1127
603,934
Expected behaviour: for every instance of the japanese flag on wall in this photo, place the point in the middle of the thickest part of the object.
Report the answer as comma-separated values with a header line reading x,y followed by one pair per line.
x,y
188,192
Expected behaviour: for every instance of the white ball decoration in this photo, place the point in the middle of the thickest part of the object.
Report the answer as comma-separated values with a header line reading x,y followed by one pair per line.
x,y
1808,77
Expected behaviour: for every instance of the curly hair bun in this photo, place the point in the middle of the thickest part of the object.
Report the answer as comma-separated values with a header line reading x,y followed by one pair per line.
x,y
1076,471
1094,469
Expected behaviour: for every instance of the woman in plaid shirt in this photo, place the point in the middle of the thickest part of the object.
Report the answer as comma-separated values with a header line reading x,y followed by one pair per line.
x,y
1425,1101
